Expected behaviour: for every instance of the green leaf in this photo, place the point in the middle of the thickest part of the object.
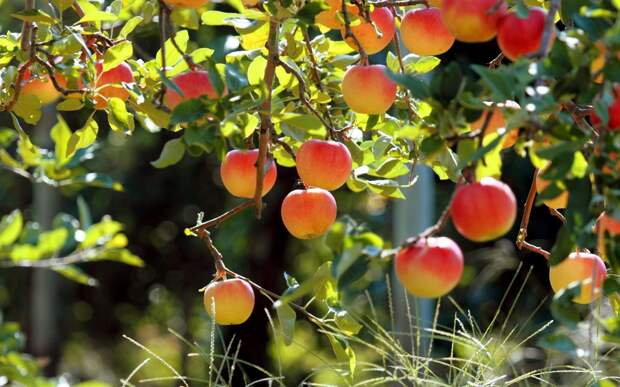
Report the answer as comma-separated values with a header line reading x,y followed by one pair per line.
x,y
564,245
100,233
94,14
123,256
418,88
76,274
346,323
51,242
286,317
83,137
129,26
10,227
562,307
187,111
118,116
86,219
171,154
117,54
61,134
35,16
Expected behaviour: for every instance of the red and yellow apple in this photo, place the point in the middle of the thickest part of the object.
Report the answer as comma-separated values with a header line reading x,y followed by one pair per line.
x,y
193,84
308,213
423,32
430,268
484,210
229,302
110,83
238,172
558,202
41,86
579,266
186,3
366,34
472,21
518,37
368,89
323,164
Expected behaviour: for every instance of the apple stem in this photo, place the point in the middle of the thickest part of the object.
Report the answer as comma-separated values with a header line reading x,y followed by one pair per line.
x,y
525,220
265,112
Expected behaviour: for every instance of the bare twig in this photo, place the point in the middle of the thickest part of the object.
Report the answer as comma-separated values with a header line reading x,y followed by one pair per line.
x,y
77,257
349,33
221,218
497,61
284,145
557,214
399,55
397,3
265,112
525,220
27,33
162,42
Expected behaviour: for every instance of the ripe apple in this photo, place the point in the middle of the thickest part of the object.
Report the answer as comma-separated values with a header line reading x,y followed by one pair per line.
x,y
40,86
193,84
366,33
484,210
186,3
308,213
558,202
430,268
109,83
229,302
611,225
497,122
368,89
579,266
323,164
238,172
472,21
329,18
517,37
424,33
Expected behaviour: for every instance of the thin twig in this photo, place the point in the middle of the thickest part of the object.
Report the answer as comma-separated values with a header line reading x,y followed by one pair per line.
x,y
525,220
548,31
162,42
557,214
265,113
397,3
77,257
399,55
221,218
441,222
349,33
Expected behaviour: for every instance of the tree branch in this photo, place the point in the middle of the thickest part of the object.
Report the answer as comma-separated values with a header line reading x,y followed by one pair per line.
x,y
397,3
197,229
349,33
265,113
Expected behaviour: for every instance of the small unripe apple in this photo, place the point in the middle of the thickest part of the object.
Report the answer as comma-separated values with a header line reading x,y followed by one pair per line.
x,y
109,83
368,89
323,164
238,172
424,33
585,267
186,3
517,37
308,213
40,86
430,268
193,84
229,302
558,202
484,210
366,33
611,225
472,21
329,18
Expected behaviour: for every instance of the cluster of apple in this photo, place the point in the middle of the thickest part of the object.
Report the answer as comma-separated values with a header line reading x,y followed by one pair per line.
x,y
483,211
428,31
307,213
